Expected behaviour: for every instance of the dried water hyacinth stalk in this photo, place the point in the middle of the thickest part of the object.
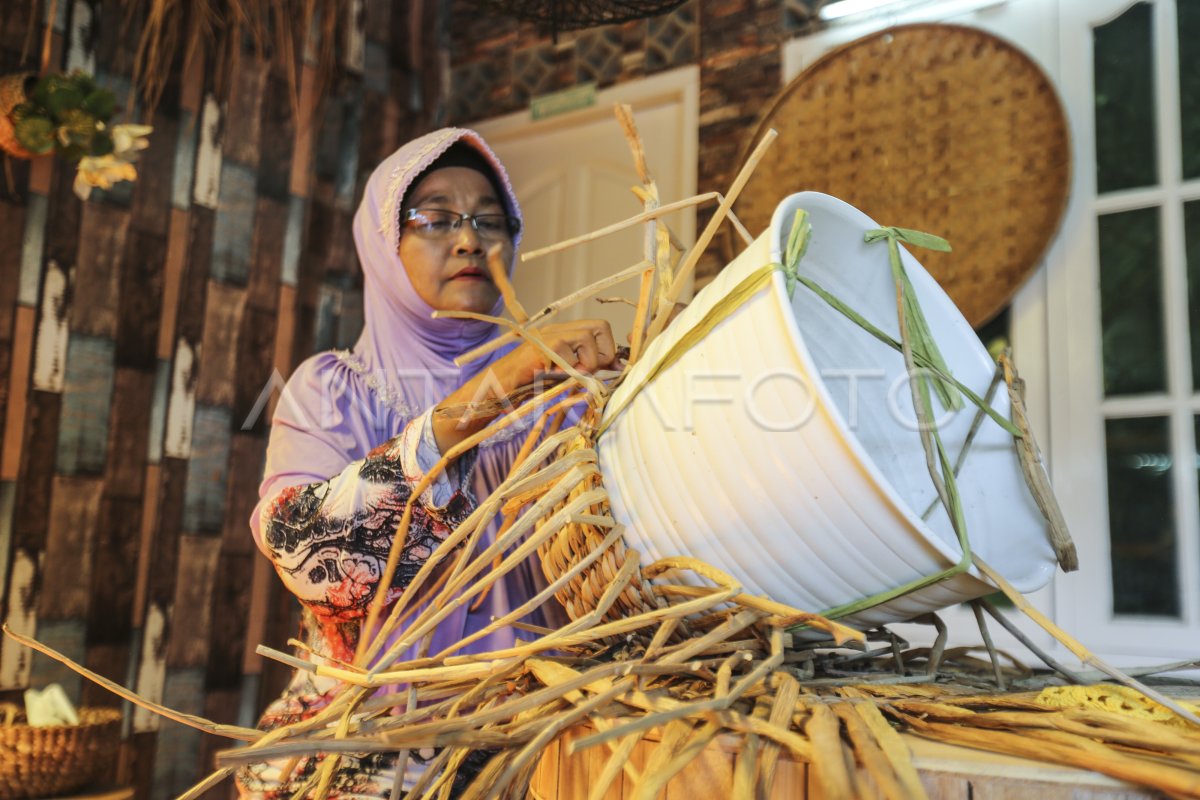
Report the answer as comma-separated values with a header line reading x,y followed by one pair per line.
x,y
1034,471
647,651
278,31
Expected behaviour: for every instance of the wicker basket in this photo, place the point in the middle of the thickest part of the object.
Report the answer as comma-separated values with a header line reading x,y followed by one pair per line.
x,y
822,513
12,92
43,762
559,554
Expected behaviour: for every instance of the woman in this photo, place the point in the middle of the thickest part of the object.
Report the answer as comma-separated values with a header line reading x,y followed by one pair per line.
x,y
355,431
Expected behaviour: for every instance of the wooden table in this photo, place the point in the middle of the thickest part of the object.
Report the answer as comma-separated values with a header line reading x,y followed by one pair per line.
x,y
949,772
106,794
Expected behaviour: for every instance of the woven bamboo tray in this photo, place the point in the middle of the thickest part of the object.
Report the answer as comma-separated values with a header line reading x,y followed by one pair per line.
x,y
45,761
948,128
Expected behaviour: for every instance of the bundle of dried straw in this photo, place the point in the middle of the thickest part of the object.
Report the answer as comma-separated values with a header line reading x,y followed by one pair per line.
x,y
645,652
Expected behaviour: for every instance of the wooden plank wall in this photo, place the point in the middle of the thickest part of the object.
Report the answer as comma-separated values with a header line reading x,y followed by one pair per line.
x,y
142,334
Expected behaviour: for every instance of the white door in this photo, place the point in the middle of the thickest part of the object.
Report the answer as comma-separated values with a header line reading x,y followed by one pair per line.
x,y
572,175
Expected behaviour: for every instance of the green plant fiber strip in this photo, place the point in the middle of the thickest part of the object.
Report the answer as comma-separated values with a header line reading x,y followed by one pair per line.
x,y
914,328
748,287
920,359
797,246
919,335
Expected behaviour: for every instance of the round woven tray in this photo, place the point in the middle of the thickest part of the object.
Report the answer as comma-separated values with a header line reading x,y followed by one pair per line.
x,y
43,762
941,128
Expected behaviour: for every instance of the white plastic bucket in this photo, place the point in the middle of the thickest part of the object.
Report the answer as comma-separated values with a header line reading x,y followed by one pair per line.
x,y
783,447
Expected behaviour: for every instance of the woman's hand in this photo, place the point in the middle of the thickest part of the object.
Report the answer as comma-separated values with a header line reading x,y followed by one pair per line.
x,y
587,345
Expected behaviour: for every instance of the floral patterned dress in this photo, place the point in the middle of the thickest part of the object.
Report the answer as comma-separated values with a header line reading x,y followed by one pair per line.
x,y
329,542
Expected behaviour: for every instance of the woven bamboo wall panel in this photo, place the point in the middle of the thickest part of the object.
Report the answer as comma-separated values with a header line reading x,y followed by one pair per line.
x,y
940,128
138,332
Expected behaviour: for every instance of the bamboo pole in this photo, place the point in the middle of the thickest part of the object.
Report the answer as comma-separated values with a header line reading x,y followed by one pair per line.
x,y
747,238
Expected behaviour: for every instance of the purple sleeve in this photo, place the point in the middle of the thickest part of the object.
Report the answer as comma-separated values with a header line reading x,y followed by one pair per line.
x,y
329,540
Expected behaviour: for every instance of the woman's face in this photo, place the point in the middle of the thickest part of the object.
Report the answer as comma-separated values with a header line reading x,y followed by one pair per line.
x,y
450,273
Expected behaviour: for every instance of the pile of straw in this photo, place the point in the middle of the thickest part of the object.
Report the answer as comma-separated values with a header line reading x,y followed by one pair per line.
x,y
645,651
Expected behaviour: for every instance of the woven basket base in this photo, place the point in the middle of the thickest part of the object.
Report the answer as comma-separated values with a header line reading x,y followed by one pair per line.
x,y
43,762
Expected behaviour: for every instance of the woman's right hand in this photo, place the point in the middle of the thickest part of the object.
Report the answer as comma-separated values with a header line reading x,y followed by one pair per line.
x,y
587,345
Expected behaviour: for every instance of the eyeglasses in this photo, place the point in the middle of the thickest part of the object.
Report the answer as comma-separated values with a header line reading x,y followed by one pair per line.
x,y
438,223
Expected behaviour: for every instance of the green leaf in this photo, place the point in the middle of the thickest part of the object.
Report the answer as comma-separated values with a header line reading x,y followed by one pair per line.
x,y
797,246
921,360
35,134
40,95
80,129
916,328
870,237
908,236
64,98
84,82
101,104
922,239
924,343
22,110
102,144
798,238
957,519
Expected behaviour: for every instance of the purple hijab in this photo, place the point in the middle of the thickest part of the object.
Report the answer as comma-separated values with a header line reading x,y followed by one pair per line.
x,y
337,407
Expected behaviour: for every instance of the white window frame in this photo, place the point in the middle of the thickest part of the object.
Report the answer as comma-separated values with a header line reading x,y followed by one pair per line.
x,y
1078,406
1055,318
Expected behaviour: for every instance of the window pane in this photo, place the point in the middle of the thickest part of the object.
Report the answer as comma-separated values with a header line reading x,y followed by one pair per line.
x,y
1189,86
1191,227
1126,138
1141,519
1131,303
